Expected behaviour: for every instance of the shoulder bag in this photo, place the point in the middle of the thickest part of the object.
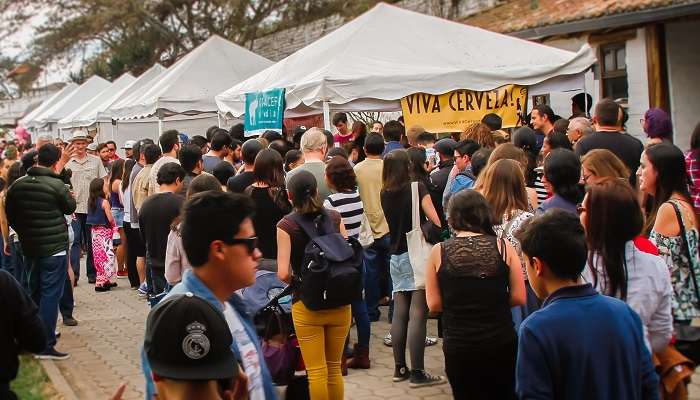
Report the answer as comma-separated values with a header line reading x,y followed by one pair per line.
x,y
418,247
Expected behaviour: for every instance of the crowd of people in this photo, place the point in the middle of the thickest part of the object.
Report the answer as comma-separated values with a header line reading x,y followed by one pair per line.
x,y
561,258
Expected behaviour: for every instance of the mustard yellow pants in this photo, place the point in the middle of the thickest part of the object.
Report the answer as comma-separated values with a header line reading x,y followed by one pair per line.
x,y
321,336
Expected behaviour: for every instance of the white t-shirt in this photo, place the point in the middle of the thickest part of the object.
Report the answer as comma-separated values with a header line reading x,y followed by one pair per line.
x,y
248,352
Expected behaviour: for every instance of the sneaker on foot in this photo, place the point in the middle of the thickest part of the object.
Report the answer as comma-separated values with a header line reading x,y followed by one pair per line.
x,y
143,289
401,373
420,378
52,354
387,340
430,341
103,288
70,321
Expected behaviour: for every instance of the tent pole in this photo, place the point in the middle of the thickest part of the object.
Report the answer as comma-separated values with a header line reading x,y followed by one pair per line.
x,y
218,119
326,116
160,127
585,97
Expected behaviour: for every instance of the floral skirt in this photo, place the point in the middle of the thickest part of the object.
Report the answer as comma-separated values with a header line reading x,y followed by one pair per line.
x,y
103,254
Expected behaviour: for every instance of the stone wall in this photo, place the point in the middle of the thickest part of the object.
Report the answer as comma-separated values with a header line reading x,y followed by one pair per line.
x,y
279,45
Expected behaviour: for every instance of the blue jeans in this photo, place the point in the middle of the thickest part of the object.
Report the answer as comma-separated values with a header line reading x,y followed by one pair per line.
x,y
47,279
376,265
15,265
359,313
83,238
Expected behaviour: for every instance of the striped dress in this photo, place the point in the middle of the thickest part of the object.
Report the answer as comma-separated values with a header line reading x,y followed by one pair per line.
x,y
349,205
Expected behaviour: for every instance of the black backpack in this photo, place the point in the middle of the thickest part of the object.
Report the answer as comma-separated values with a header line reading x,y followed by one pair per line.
x,y
331,272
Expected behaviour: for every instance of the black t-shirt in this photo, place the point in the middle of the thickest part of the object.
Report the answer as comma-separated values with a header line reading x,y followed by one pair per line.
x,y
265,221
238,183
397,211
627,148
155,217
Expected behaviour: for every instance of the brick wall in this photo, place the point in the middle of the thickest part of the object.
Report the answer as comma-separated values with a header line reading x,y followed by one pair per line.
x,y
279,45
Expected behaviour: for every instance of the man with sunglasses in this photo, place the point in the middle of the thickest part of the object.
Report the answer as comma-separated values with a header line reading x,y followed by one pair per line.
x,y
219,239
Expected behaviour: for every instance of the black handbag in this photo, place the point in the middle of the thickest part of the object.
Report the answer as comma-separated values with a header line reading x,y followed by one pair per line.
x,y
687,336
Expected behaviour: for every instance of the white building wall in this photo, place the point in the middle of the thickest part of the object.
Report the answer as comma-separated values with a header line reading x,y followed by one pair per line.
x,y
638,83
683,61
638,89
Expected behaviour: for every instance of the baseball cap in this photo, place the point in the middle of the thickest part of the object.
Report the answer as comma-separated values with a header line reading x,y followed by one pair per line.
x,y
187,338
445,146
129,144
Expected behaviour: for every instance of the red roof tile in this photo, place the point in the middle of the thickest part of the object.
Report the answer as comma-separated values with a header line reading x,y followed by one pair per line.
x,y
518,15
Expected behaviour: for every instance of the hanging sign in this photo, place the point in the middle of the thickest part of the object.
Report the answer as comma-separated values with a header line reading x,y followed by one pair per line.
x,y
450,112
264,111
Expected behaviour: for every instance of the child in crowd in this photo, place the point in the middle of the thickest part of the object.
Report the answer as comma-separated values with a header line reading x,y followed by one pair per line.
x,y
580,344
102,226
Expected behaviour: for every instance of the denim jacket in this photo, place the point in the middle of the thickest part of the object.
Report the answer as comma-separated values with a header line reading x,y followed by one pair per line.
x,y
190,283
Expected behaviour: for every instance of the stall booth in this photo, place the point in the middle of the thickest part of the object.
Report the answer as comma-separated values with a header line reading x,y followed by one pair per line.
x,y
182,97
391,59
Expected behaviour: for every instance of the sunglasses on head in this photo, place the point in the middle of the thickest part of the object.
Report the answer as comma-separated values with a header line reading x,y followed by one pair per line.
x,y
251,243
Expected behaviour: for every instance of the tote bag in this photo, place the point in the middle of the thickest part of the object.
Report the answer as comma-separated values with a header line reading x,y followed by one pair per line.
x,y
418,247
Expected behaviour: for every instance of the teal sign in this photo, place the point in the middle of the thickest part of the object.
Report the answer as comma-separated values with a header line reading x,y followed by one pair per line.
x,y
264,111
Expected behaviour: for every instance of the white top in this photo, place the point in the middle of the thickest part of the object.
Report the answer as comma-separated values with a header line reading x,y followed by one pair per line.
x,y
649,293
248,352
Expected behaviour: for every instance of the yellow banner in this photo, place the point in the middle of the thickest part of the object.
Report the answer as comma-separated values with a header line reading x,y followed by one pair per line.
x,y
450,112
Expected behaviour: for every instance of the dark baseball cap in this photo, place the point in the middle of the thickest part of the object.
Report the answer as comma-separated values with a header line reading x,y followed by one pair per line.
x,y
445,146
187,338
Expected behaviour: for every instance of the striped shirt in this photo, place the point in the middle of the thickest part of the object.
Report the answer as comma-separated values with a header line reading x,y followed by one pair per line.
x,y
542,194
349,205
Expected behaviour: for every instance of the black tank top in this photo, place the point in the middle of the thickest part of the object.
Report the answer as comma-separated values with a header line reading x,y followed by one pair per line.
x,y
474,282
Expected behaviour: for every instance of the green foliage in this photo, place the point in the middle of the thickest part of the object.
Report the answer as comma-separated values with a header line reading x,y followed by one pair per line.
x,y
131,35
32,382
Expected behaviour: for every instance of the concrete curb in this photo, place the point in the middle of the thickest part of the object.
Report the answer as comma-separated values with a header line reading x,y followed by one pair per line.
x,y
58,381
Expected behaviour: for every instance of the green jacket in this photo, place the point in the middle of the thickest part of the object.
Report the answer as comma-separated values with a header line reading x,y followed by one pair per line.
x,y
36,206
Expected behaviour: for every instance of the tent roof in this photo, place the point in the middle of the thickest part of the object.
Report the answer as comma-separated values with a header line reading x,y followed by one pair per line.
x,y
29,120
83,94
85,115
388,53
125,106
189,86
104,112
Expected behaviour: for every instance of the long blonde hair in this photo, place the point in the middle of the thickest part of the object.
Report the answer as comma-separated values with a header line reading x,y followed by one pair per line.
x,y
479,133
604,163
503,186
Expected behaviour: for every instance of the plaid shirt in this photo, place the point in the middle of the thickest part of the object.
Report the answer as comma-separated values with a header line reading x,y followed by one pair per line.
x,y
693,167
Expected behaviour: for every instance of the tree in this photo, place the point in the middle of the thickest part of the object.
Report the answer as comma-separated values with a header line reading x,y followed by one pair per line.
x,y
131,35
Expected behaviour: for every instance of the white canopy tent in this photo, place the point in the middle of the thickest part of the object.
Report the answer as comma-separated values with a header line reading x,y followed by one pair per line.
x,y
373,61
47,120
189,86
29,120
87,114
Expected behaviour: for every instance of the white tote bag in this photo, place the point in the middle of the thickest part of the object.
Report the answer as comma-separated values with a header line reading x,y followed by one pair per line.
x,y
418,248
366,237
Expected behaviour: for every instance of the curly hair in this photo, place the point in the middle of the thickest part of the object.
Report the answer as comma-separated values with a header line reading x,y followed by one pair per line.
x,y
479,133
340,174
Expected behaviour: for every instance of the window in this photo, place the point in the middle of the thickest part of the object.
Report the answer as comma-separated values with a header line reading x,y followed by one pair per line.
x,y
613,71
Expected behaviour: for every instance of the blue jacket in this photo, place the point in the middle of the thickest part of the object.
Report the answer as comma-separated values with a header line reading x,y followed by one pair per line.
x,y
583,345
391,146
190,283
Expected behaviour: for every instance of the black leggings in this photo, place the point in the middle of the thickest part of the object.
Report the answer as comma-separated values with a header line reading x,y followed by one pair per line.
x,y
134,248
481,374
409,324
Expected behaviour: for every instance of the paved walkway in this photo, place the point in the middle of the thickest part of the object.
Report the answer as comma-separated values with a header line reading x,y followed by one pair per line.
x,y
104,350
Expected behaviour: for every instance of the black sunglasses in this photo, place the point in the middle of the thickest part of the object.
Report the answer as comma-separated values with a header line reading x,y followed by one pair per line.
x,y
251,243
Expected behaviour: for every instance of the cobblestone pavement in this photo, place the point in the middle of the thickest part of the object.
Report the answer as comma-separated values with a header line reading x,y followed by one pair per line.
x,y
104,351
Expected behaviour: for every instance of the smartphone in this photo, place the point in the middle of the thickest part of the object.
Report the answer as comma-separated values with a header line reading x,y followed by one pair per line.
x,y
430,155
